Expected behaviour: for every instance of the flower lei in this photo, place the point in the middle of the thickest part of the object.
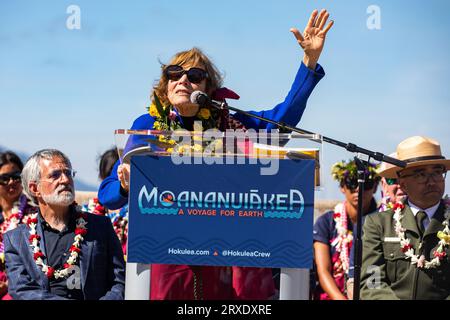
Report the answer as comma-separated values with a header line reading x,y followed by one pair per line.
x,y
20,209
166,119
344,239
407,248
38,256
11,223
386,204
94,206
14,219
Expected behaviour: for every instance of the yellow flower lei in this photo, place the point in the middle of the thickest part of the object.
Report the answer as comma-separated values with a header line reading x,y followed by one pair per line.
x,y
167,120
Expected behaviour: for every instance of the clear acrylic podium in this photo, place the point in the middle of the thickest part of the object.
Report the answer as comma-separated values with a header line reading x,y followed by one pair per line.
x,y
216,147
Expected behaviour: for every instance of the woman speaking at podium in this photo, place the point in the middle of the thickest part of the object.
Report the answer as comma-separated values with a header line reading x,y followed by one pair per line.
x,y
172,109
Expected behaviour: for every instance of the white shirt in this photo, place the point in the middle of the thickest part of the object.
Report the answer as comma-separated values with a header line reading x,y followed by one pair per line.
x,y
430,212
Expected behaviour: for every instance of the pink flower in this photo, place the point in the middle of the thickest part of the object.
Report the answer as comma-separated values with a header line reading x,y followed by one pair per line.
x,y
421,262
172,115
439,255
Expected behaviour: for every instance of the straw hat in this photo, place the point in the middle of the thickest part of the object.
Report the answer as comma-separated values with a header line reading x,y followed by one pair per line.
x,y
416,151
385,165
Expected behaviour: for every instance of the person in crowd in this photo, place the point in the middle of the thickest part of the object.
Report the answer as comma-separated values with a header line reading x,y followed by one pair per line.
x,y
61,252
391,192
119,217
14,207
406,249
172,109
333,231
106,163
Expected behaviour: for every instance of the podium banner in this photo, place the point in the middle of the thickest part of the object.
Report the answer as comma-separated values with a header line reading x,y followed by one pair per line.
x,y
219,214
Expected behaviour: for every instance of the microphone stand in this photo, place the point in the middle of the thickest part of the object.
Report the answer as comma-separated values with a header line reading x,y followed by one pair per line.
x,y
357,259
361,177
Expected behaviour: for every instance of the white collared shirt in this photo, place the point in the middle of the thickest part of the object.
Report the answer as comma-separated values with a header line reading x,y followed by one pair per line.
x,y
430,212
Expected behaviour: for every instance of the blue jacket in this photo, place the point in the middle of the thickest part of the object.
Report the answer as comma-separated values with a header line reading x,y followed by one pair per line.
x,y
101,264
289,111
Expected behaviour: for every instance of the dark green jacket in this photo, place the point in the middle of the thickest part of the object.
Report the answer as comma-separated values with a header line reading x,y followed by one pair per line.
x,y
387,274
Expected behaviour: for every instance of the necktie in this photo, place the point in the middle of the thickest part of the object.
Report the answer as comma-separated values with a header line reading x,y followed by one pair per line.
x,y
420,218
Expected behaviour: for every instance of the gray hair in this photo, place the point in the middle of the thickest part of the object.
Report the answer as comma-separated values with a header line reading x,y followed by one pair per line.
x,y
32,169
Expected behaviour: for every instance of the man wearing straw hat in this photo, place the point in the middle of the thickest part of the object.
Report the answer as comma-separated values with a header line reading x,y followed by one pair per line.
x,y
406,248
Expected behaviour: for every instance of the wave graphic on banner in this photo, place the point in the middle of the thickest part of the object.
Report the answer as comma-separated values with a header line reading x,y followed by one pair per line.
x,y
286,215
158,210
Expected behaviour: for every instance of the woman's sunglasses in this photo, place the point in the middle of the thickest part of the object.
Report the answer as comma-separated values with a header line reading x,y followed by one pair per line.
x,y
352,184
6,177
175,72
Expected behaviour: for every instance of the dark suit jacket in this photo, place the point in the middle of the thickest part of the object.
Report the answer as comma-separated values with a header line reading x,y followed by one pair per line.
x,y
383,260
101,263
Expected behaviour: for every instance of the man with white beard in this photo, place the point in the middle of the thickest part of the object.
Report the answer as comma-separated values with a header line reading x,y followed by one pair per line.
x,y
61,252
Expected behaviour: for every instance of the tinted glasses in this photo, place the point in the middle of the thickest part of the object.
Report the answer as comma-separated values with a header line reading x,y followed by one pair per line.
x,y
56,174
352,184
6,177
438,175
175,72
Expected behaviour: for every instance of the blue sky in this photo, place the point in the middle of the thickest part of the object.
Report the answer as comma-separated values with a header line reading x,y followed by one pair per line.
x,y
69,89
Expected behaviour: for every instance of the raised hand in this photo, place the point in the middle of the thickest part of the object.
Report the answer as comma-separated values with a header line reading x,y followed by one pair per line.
x,y
313,38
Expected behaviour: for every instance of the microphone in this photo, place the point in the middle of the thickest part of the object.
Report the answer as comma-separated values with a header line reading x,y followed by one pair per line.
x,y
200,98
203,100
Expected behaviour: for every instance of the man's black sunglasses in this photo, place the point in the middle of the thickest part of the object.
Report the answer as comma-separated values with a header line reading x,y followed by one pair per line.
x,y
195,75
4,178
391,181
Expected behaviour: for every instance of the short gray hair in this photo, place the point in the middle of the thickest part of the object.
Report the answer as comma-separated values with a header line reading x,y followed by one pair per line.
x,y
32,169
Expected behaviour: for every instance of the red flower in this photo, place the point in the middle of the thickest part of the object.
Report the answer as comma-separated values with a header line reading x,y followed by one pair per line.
x,y
37,255
398,205
67,266
50,272
406,247
99,207
439,255
82,215
34,236
336,215
31,220
14,215
73,248
80,231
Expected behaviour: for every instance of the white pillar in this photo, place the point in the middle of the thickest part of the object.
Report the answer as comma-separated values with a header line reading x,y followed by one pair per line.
x,y
137,281
294,284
